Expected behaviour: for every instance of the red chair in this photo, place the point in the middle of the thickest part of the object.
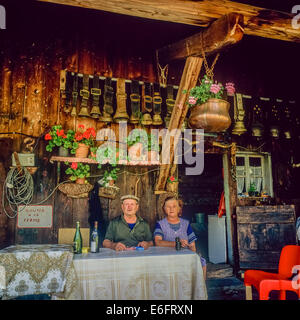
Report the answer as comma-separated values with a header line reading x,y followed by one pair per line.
x,y
289,257
281,285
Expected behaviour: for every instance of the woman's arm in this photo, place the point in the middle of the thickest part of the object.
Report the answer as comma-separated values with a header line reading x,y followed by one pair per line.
x,y
159,242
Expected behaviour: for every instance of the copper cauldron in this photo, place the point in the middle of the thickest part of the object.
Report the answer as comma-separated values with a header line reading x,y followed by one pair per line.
x,y
212,116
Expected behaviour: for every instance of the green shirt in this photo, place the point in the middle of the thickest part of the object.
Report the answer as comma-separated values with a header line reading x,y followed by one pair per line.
x,y
119,231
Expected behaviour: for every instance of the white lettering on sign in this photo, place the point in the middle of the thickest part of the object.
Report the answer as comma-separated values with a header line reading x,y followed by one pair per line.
x,y
35,216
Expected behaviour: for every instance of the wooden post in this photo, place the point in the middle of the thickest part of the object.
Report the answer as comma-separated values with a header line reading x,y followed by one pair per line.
x,y
188,81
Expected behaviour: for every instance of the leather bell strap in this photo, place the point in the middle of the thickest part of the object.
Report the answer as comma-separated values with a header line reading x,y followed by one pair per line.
x,y
147,105
170,102
121,112
108,97
74,95
84,92
157,100
135,99
240,112
66,92
95,91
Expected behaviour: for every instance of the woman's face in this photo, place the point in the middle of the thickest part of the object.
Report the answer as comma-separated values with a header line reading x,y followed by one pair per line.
x,y
172,208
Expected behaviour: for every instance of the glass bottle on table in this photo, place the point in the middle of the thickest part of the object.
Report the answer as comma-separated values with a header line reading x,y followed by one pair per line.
x,y
77,241
95,239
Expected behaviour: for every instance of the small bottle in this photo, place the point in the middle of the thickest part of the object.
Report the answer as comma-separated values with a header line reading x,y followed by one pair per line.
x,y
77,242
95,239
177,243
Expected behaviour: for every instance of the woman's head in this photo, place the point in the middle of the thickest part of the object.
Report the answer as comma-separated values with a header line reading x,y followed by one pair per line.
x,y
172,206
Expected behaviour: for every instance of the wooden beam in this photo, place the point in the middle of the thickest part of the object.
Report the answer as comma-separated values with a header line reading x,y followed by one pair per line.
x,y
258,21
188,81
222,33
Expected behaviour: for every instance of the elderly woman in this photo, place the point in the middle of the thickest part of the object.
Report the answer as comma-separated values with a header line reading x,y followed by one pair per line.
x,y
167,229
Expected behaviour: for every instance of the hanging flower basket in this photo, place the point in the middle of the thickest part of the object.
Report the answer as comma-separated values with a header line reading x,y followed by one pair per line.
x,y
75,190
212,116
209,111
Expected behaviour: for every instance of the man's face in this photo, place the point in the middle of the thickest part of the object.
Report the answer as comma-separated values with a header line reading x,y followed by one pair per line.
x,y
130,207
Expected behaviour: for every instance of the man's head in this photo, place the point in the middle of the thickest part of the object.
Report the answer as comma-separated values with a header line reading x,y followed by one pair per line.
x,y
130,205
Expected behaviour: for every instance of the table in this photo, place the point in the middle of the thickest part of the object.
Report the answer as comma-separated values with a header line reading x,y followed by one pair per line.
x,y
37,269
154,274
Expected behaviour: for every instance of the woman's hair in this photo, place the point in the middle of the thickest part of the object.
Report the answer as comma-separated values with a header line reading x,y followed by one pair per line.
x,y
179,201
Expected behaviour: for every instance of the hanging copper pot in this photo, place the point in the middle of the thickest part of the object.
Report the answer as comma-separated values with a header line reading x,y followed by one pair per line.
x,y
212,116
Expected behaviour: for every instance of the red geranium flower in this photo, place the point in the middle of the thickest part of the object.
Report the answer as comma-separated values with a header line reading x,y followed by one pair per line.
x,y
86,135
74,165
48,136
78,136
172,178
81,126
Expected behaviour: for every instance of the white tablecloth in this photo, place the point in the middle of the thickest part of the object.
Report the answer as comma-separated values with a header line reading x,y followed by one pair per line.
x,y
154,274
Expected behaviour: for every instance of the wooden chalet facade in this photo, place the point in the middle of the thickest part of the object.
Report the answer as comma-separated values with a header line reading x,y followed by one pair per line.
x,y
258,50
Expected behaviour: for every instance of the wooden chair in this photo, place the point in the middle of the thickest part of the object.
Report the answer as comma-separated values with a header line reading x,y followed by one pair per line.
x,y
66,236
289,257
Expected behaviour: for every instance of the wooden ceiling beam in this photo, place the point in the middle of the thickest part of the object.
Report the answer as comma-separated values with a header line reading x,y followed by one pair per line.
x,y
222,33
258,21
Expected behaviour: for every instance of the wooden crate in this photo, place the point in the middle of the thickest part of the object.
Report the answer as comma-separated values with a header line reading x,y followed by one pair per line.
x,y
262,232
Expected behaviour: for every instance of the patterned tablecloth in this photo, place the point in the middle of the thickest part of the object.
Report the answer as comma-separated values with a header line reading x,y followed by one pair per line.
x,y
37,269
156,273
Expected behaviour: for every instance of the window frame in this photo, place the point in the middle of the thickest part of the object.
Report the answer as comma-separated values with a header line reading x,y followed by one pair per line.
x,y
266,167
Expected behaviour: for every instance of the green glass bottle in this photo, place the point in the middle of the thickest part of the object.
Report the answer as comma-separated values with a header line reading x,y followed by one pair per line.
x,y
95,239
77,239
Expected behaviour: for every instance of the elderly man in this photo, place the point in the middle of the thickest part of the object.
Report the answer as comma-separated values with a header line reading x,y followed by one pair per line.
x,y
128,230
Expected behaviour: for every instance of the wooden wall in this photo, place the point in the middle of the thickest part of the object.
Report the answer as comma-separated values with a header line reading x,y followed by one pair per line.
x,y
42,39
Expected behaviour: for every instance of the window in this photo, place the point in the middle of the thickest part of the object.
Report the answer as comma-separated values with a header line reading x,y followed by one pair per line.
x,y
253,173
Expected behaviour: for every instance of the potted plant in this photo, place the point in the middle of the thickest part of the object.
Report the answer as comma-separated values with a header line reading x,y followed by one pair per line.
x,y
153,149
78,172
136,141
172,184
109,177
83,140
58,138
209,110
252,189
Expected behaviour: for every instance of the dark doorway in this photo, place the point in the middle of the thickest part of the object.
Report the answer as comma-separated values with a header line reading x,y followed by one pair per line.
x,y
201,195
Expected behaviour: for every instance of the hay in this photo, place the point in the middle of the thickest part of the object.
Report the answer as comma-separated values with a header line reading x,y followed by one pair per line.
x,y
109,192
75,190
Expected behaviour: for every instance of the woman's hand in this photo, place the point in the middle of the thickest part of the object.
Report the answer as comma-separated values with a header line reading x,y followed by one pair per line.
x,y
184,243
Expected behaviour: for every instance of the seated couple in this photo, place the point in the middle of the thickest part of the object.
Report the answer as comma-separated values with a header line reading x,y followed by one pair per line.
x,y
130,230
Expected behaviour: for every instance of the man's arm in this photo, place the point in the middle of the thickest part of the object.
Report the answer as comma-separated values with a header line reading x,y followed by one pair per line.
x,y
118,246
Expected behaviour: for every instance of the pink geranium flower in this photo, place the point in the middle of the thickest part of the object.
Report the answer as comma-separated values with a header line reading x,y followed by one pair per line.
x,y
215,88
230,88
192,100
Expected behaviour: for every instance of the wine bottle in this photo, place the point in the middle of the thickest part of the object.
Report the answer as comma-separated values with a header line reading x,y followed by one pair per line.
x,y
77,239
95,239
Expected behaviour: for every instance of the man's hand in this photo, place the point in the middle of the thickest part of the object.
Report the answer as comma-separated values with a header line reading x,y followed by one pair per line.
x,y
144,244
120,246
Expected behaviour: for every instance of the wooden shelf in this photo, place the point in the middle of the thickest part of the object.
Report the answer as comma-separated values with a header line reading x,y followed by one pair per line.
x,y
92,161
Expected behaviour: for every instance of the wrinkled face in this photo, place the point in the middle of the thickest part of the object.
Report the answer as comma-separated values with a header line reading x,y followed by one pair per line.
x,y
130,207
172,208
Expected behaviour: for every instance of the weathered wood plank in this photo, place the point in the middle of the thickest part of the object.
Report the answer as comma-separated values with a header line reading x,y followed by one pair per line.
x,y
224,32
189,79
258,21
263,234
